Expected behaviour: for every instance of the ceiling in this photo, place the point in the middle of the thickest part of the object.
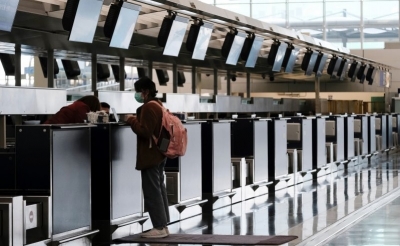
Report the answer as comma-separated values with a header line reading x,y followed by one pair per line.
x,y
38,28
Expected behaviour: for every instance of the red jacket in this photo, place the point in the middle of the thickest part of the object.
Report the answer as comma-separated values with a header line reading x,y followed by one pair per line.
x,y
74,113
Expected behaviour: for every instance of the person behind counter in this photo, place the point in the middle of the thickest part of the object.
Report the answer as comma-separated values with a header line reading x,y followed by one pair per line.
x,y
149,160
105,107
76,112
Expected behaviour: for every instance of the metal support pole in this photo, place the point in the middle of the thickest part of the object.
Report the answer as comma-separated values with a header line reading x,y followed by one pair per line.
x,y
50,68
228,83
17,65
122,73
248,85
194,75
215,81
175,78
94,72
150,70
317,98
362,25
324,37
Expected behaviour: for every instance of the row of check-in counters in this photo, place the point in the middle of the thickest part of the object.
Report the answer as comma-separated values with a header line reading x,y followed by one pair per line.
x,y
77,184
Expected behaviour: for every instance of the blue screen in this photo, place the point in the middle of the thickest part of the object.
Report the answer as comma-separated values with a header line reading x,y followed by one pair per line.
x,y
125,26
86,19
8,9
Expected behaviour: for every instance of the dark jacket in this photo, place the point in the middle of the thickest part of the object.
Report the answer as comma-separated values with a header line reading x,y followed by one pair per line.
x,y
74,113
146,124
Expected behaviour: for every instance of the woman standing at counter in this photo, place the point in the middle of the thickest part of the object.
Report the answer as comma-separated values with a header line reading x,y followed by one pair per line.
x,y
149,160
76,112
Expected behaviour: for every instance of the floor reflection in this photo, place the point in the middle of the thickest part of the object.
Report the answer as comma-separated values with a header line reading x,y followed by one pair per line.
x,y
306,209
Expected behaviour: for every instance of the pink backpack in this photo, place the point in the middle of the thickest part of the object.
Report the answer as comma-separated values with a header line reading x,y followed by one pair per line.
x,y
176,145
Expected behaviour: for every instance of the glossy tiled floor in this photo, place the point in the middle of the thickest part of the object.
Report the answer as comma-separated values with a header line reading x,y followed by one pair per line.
x,y
380,228
306,209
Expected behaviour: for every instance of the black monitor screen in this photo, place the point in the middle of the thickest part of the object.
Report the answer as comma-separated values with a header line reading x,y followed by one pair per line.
x,y
125,26
311,64
292,60
175,37
8,9
320,64
203,39
254,51
280,55
85,22
236,48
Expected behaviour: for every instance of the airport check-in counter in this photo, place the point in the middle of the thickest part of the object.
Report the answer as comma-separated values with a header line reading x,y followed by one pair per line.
x,y
117,207
389,126
335,135
183,177
319,146
299,140
216,163
372,136
53,175
396,128
249,147
349,143
361,141
278,166
381,132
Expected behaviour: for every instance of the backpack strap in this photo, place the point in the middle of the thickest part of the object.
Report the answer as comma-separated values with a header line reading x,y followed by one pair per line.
x,y
163,109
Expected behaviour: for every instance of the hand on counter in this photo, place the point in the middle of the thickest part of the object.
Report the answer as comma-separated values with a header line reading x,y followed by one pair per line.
x,y
130,118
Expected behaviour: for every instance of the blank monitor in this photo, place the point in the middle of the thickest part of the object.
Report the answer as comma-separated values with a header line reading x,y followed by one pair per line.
x,y
8,62
198,39
125,25
308,62
341,73
290,58
8,9
255,44
277,55
320,63
175,37
85,21
236,48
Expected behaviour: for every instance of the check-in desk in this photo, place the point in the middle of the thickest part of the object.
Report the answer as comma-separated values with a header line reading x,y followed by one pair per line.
x,y
249,147
299,140
53,175
184,179
216,165
396,129
372,150
349,143
116,184
389,126
278,165
319,146
361,141
381,132
335,135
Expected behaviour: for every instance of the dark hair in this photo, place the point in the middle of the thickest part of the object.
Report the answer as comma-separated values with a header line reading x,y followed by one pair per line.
x,y
104,105
92,101
144,83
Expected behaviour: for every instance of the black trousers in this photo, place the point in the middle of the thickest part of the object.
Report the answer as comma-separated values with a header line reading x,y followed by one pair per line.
x,y
155,195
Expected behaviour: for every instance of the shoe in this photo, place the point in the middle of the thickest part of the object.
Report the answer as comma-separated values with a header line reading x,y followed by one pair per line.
x,y
166,230
155,233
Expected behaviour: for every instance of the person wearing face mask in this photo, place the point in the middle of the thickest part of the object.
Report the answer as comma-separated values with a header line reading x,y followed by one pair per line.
x,y
149,160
